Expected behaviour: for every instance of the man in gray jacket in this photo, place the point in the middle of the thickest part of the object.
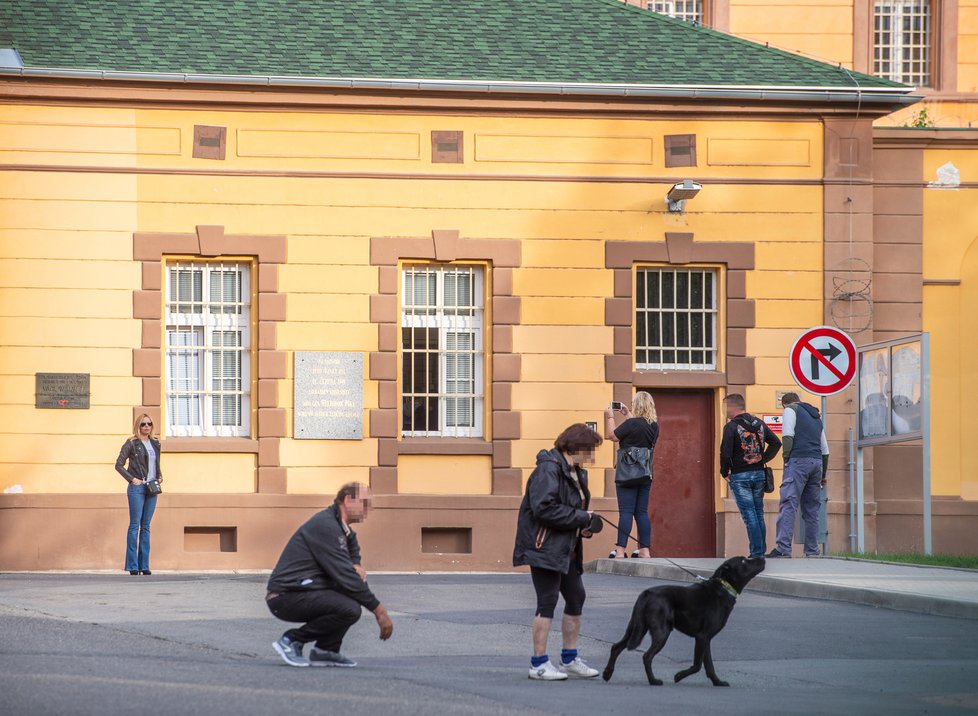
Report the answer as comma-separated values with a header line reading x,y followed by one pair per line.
x,y
318,580
806,463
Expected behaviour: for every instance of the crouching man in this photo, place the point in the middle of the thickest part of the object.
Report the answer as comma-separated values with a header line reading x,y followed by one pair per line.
x,y
319,581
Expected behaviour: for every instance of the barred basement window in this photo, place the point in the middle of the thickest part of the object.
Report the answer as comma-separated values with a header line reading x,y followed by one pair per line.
x,y
442,358
675,319
207,366
689,10
902,41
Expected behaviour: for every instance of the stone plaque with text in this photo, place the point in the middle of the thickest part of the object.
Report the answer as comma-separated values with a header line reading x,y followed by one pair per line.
x,y
328,396
62,390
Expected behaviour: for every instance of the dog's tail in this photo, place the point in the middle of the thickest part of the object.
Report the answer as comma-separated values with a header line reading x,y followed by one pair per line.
x,y
637,628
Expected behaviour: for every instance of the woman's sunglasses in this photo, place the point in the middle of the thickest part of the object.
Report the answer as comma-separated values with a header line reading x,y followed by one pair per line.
x,y
146,425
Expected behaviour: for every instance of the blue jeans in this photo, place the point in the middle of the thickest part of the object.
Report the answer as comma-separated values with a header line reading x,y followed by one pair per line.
x,y
141,508
801,486
747,489
634,502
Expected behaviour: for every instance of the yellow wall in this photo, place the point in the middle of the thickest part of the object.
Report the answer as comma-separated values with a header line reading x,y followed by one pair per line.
x,y
66,269
950,315
818,28
968,46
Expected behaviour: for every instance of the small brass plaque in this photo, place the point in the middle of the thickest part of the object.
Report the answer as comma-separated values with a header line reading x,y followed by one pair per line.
x,y
62,390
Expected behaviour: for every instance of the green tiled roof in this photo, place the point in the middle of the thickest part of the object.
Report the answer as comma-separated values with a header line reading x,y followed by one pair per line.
x,y
562,41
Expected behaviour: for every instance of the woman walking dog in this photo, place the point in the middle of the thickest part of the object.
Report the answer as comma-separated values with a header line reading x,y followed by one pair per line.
x,y
142,453
553,518
636,438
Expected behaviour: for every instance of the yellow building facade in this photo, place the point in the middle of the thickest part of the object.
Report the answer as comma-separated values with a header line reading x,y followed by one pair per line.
x,y
938,55
490,261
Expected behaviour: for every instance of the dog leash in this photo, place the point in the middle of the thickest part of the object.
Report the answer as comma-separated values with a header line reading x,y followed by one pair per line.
x,y
689,572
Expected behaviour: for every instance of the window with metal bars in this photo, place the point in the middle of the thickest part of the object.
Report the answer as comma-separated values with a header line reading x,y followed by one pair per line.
x,y
688,10
675,319
902,41
207,367
442,357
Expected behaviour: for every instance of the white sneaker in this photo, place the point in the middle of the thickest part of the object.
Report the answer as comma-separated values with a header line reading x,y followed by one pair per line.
x,y
547,672
578,669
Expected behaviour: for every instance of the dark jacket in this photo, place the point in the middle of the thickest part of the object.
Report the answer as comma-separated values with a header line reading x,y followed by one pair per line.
x,y
321,555
134,452
731,446
552,515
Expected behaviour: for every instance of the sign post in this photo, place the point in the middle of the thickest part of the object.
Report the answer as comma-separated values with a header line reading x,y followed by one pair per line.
x,y
823,361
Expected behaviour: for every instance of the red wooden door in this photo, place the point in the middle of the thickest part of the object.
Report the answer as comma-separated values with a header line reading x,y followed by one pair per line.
x,y
682,503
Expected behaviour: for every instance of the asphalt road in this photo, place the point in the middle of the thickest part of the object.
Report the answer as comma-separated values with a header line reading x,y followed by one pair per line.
x,y
99,644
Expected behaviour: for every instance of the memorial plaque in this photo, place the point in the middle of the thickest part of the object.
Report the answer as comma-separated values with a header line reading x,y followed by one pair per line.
x,y
62,390
328,396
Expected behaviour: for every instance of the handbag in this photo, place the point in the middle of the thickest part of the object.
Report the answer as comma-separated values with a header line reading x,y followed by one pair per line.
x,y
153,487
768,479
634,466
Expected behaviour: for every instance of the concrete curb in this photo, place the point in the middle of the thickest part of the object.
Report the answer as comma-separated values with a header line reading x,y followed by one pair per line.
x,y
885,599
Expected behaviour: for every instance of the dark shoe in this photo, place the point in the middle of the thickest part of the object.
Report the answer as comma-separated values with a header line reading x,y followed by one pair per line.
x,y
134,572
773,554
146,572
290,651
324,657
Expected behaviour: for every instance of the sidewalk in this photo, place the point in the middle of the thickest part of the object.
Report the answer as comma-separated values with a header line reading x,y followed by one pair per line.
x,y
925,590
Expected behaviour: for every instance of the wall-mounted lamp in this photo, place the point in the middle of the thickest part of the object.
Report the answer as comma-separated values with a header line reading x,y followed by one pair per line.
x,y
680,193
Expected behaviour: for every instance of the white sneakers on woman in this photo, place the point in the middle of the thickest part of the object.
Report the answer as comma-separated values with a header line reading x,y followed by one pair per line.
x,y
547,672
576,669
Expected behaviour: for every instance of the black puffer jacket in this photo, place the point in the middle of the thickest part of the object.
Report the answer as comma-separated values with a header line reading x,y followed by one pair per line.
x,y
552,515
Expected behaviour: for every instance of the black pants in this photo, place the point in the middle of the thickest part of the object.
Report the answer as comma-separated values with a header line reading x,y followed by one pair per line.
x,y
548,583
327,614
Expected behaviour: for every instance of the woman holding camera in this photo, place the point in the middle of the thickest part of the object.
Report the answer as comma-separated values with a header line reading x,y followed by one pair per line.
x,y
638,429
142,453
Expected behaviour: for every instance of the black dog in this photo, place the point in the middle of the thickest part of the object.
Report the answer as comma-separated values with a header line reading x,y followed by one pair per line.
x,y
700,610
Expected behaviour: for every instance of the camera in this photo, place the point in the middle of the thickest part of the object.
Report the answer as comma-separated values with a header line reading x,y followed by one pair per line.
x,y
617,405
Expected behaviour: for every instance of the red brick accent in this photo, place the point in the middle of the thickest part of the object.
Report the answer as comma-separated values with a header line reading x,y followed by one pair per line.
x,y
146,304
383,366
146,363
272,422
267,393
152,391
507,481
618,311
271,306
680,247
506,367
383,480
273,364
506,425
268,452
383,423
272,480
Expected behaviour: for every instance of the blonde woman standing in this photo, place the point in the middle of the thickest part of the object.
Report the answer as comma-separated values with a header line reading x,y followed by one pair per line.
x,y
639,429
139,463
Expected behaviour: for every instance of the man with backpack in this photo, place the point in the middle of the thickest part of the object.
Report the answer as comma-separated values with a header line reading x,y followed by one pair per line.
x,y
806,463
747,446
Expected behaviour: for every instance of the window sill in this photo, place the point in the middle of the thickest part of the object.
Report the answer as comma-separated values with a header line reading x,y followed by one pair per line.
x,y
243,445
444,446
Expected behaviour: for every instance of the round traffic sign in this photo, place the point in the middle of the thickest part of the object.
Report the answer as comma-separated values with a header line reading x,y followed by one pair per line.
x,y
823,360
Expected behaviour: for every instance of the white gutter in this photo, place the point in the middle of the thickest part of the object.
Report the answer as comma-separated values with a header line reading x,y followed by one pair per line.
x,y
887,95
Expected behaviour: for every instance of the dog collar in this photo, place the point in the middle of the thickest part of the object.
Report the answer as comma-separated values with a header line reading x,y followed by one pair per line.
x,y
728,588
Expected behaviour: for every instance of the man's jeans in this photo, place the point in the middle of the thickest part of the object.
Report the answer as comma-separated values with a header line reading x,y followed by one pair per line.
x,y
801,485
747,489
141,508
328,615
